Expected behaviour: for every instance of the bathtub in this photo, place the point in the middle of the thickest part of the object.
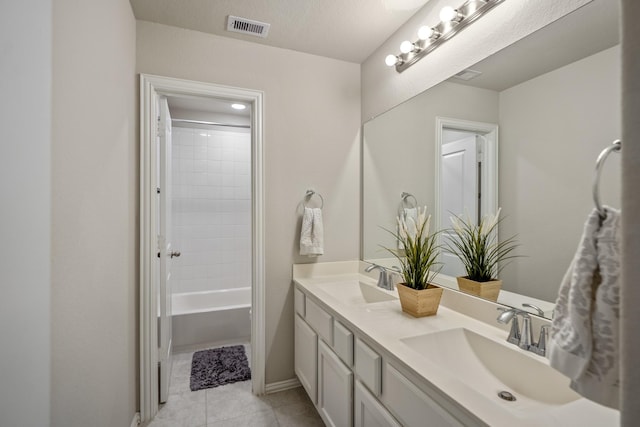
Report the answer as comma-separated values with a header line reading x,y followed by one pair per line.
x,y
211,317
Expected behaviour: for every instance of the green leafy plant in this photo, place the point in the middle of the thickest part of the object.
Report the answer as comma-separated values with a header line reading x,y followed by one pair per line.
x,y
418,258
477,247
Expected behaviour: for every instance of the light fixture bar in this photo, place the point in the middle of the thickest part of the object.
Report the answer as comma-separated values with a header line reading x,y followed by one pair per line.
x,y
464,15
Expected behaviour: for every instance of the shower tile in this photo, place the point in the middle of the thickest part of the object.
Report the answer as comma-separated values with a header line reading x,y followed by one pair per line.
x,y
214,153
227,180
186,153
199,165
199,178
200,152
242,193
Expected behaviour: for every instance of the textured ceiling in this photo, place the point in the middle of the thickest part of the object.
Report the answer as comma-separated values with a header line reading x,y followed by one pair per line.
x,y
349,30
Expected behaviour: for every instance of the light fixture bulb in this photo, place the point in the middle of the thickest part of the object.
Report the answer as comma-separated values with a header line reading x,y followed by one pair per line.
x,y
238,106
406,46
425,32
448,14
391,60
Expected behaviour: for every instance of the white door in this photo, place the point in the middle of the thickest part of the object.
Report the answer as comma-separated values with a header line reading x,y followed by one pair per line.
x,y
458,191
165,250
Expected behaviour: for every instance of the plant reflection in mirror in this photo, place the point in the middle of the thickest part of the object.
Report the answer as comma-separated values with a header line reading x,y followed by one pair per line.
x,y
478,247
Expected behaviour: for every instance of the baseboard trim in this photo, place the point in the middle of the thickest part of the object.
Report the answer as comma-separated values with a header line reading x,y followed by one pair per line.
x,y
135,422
281,385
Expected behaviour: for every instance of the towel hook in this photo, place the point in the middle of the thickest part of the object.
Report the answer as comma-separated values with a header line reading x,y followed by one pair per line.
x,y
309,194
615,146
404,196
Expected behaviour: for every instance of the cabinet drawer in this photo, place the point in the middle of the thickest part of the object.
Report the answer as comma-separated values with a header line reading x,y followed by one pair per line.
x,y
410,405
299,301
319,320
343,343
368,367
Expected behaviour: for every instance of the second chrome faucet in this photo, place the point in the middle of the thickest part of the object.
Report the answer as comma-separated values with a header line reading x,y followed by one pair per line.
x,y
523,338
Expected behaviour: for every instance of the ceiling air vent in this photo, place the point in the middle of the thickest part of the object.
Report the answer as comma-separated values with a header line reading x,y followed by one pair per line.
x,y
467,74
247,26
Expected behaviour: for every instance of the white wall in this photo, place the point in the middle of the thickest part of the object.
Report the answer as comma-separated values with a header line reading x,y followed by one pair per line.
x,y
211,204
312,121
94,215
398,154
552,129
25,158
383,87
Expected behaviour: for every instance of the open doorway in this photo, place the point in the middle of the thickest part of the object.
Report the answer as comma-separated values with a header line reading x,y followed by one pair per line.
x,y
201,226
466,177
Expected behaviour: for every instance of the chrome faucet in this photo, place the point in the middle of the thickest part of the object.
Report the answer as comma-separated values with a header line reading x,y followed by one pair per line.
x,y
384,280
523,338
541,348
538,310
510,315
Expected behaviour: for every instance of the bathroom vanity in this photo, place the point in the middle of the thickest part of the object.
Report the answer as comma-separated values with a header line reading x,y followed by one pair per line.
x,y
363,362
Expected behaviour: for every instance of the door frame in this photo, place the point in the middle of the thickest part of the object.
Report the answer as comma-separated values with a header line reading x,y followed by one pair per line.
x,y
489,184
152,86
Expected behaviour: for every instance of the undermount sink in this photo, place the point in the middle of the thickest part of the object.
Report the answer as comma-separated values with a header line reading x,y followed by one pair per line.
x,y
490,367
358,293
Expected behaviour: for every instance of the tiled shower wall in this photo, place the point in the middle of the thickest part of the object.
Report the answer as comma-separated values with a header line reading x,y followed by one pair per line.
x,y
211,209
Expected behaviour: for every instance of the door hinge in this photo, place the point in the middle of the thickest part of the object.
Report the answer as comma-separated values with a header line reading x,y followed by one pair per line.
x,y
159,128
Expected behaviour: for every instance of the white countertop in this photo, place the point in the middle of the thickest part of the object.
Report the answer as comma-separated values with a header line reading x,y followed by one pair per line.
x,y
385,325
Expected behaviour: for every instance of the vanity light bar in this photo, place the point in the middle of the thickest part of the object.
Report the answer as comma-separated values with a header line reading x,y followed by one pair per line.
x,y
452,21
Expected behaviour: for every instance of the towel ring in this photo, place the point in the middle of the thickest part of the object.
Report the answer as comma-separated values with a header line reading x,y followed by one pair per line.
x,y
309,194
615,146
404,196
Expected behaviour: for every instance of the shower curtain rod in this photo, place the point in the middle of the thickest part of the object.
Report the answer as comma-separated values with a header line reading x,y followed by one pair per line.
x,y
200,122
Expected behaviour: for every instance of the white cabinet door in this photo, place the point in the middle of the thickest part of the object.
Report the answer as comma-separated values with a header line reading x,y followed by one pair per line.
x,y
369,412
410,405
306,357
335,389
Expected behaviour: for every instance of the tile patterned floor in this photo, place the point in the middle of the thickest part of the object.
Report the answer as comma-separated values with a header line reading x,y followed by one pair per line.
x,y
231,404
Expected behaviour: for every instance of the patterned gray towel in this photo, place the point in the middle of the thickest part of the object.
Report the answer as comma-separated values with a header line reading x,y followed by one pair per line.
x,y
584,332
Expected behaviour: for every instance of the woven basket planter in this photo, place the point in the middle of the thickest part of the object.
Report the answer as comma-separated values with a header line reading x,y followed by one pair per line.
x,y
419,303
487,290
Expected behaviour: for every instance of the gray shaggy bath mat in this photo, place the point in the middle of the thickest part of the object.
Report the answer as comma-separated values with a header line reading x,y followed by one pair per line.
x,y
219,366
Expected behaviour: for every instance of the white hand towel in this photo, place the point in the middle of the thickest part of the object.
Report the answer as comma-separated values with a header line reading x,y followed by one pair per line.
x,y
409,213
584,332
312,233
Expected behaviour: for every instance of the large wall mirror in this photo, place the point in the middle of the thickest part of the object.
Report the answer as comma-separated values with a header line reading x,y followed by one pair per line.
x,y
554,98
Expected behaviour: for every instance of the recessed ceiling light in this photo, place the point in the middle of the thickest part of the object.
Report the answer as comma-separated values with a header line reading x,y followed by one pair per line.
x,y
238,106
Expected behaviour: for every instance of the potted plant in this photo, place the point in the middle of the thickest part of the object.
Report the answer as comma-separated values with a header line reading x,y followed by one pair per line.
x,y
419,297
481,254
